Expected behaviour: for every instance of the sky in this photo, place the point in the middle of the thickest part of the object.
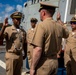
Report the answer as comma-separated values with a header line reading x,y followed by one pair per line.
x,y
7,7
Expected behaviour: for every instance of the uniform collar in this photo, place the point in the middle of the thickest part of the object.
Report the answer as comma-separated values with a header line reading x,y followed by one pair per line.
x,y
13,27
32,28
72,33
49,18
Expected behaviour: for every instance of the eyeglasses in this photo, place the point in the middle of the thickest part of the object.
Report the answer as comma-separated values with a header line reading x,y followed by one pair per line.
x,y
73,22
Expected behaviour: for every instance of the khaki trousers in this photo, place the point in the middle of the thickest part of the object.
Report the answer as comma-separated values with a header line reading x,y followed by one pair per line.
x,y
71,67
13,64
47,67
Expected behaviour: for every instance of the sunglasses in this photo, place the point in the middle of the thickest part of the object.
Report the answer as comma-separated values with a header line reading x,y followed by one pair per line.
x,y
73,22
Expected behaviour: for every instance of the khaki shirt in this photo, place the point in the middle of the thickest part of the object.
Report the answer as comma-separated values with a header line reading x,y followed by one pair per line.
x,y
48,36
30,35
14,39
70,49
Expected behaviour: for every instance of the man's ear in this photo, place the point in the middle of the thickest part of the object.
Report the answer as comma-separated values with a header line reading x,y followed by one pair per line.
x,y
43,13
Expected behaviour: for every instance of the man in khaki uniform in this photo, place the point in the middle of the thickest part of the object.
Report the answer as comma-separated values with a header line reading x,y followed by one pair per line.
x,y
15,43
30,34
70,50
46,42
